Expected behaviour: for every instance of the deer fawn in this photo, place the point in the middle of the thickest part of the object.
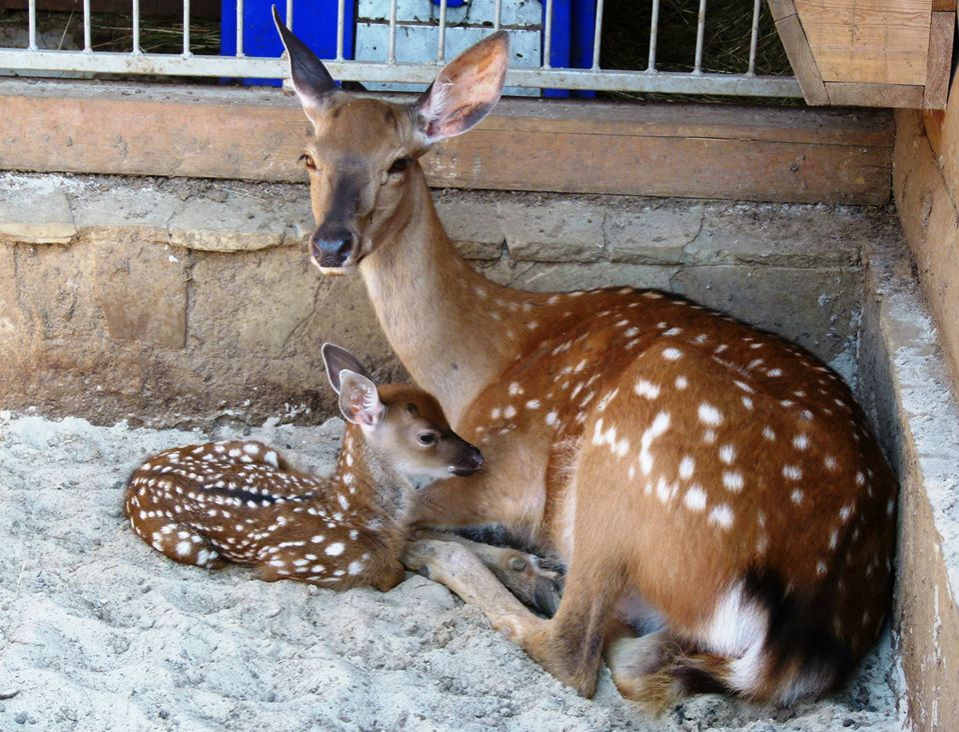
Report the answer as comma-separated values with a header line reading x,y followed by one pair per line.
x,y
240,501
705,481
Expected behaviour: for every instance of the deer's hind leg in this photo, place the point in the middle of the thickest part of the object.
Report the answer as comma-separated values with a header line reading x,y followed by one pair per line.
x,y
179,542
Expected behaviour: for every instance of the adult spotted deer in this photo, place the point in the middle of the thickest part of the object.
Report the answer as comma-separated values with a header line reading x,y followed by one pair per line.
x,y
241,502
704,480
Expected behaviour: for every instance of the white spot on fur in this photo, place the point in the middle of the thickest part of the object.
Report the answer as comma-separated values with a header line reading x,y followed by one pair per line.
x,y
658,427
708,414
686,467
792,472
695,498
732,481
647,389
727,453
722,516
335,549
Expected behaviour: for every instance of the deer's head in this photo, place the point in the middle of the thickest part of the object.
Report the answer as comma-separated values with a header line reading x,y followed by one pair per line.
x,y
362,158
402,423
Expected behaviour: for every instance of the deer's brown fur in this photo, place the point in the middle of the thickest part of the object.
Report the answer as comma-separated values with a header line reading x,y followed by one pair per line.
x,y
702,478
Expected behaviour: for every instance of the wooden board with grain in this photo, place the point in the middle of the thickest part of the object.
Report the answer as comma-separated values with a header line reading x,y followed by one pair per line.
x,y
766,154
868,41
939,61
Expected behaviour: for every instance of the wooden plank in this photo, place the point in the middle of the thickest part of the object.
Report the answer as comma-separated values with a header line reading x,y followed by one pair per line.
x,y
209,9
943,6
874,95
926,205
868,41
939,63
802,61
678,150
932,122
780,9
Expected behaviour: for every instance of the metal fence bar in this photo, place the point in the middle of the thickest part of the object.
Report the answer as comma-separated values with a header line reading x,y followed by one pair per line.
x,y
653,31
32,23
391,54
136,27
340,28
754,38
186,28
700,34
26,61
239,28
441,45
548,35
248,66
87,32
598,33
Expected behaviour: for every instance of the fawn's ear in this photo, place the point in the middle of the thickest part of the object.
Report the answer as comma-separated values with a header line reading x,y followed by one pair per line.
x,y
338,359
359,400
311,81
465,90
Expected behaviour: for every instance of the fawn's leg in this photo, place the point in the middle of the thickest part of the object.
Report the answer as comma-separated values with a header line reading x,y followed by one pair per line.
x,y
536,581
180,542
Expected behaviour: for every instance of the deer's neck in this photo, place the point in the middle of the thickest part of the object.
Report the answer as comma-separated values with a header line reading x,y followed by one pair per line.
x,y
448,325
370,484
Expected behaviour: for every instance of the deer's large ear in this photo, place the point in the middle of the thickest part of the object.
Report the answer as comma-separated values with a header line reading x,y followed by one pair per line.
x,y
338,359
311,81
359,401
466,89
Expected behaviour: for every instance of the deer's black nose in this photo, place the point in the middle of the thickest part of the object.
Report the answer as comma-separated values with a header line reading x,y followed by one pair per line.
x,y
331,248
469,463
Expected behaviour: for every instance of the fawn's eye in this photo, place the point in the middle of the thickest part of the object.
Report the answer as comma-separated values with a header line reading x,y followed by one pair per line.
x,y
307,161
400,164
426,438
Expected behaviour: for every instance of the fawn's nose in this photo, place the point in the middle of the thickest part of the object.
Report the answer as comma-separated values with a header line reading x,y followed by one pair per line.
x,y
471,461
331,248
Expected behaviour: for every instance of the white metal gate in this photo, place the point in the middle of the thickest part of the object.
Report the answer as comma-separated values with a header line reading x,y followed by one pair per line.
x,y
33,60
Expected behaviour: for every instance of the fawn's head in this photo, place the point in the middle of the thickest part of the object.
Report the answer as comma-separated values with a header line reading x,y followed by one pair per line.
x,y
362,158
403,424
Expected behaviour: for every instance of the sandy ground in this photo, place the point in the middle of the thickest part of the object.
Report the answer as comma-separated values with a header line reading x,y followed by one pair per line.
x,y
99,632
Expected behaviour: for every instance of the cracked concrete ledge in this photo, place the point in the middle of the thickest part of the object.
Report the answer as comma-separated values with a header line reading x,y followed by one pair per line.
x,y
905,384
120,287
219,216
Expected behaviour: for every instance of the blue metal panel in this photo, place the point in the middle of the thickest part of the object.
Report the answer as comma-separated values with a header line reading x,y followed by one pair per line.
x,y
314,22
572,31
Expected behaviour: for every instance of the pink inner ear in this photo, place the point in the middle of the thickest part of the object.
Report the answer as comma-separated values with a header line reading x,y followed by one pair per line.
x,y
465,91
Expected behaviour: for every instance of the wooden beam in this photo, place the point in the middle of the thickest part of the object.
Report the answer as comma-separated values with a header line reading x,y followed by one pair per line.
x,y
802,61
780,9
874,95
939,65
767,154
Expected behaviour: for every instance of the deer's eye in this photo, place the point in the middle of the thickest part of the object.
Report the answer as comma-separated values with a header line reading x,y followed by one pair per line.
x,y
426,438
400,164
307,161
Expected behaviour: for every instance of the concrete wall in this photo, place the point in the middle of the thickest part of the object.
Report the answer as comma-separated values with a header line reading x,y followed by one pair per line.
x,y
183,302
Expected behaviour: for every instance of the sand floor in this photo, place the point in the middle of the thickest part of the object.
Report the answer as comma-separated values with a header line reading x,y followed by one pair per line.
x,y
99,632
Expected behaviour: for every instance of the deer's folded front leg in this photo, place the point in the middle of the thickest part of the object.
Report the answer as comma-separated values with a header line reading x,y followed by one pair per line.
x,y
536,581
455,566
